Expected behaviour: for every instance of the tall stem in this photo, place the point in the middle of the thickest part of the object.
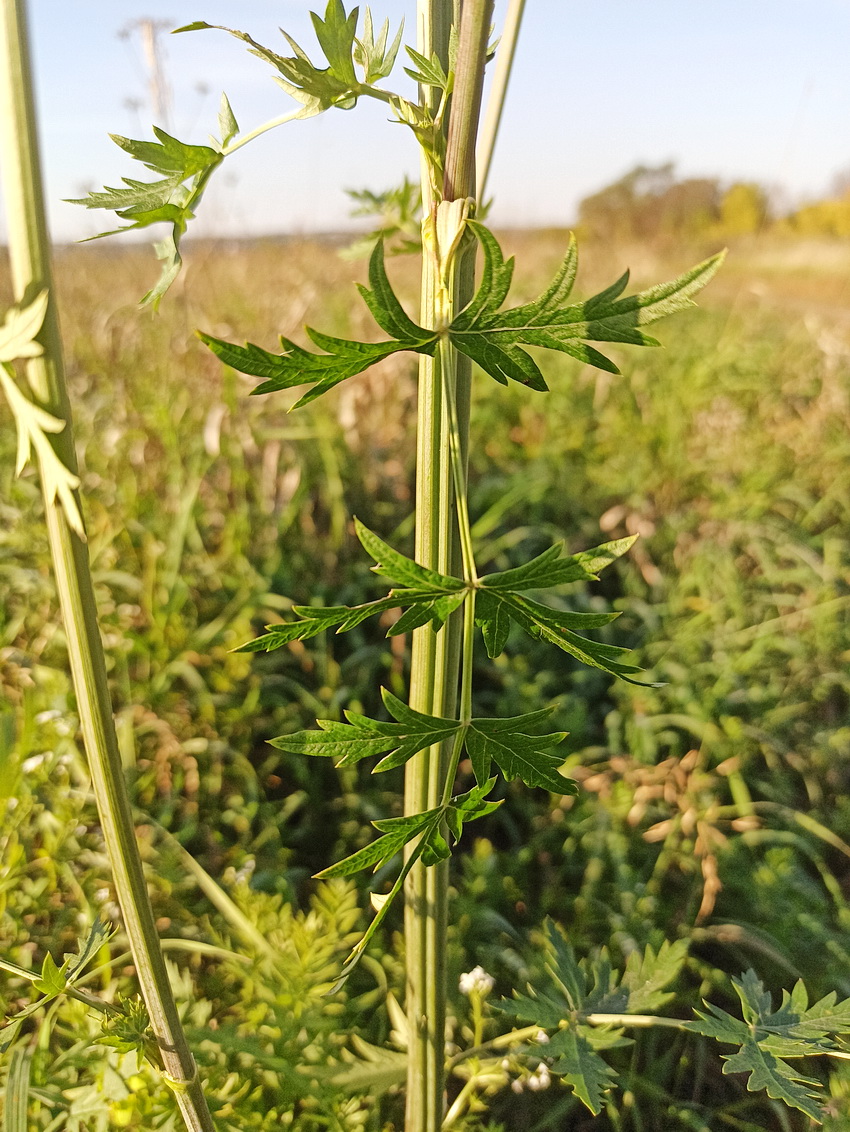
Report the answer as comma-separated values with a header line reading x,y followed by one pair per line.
x,y
496,102
31,273
435,656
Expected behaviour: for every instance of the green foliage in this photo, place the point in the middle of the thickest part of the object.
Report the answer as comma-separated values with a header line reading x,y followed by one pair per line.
x,y
316,88
430,598
18,340
576,989
747,399
185,171
767,1038
398,210
482,331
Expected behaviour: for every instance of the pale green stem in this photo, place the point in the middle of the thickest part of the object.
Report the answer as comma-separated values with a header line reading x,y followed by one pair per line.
x,y
31,273
496,101
460,1102
272,124
448,359
436,656
459,177
432,681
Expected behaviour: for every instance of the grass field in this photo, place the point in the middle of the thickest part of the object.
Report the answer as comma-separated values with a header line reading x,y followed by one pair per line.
x,y
715,808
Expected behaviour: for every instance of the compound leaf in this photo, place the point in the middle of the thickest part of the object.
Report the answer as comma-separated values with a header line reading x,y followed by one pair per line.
x,y
19,330
780,1080
647,974
53,979
403,571
172,199
494,338
360,737
581,1067
342,358
518,754
395,834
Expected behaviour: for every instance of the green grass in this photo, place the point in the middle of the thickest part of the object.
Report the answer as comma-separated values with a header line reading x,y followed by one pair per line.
x,y
715,807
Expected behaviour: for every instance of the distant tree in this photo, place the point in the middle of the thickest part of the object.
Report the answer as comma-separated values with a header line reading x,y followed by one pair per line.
x,y
823,218
648,202
744,209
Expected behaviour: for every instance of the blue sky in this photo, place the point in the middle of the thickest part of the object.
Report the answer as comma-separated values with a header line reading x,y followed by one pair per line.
x,y
750,89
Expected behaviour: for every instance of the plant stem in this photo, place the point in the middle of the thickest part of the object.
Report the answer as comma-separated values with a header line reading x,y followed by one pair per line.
x,y
426,889
496,102
436,656
272,124
31,273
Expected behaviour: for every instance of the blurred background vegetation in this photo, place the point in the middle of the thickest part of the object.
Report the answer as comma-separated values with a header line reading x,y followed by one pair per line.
x,y
714,809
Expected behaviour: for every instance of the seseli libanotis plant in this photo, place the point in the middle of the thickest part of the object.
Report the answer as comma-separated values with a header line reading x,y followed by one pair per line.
x,y
443,596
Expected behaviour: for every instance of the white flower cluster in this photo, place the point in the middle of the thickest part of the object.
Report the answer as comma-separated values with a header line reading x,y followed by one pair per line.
x,y
539,1079
476,981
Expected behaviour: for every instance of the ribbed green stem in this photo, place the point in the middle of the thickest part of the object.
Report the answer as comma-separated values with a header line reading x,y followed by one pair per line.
x,y
496,102
31,273
436,656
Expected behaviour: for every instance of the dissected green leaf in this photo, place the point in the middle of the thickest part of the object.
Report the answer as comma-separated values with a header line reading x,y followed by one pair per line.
x,y
320,88
720,1025
360,738
400,570
427,597
518,754
87,948
581,1067
470,806
649,972
395,834
766,1037
20,327
496,608
296,366
33,425
780,1080
375,1069
429,72
129,1030
53,979
373,55
172,199
537,1007
336,35
342,358
494,338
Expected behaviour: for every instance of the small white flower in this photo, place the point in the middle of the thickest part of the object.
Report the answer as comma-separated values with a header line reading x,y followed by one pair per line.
x,y
541,1037
102,895
34,762
516,1085
47,716
244,873
477,980
506,1063
540,1078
